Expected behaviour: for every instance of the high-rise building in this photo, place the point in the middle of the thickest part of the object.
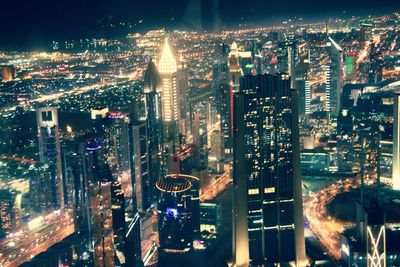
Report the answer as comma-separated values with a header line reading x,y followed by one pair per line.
x,y
385,161
199,131
268,217
302,85
235,69
143,186
106,218
9,211
177,207
226,92
168,68
365,32
7,73
344,144
376,64
183,93
75,172
334,78
216,154
118,142
210,217
37,188
101,217
152,91
396,142
118,222
50,154
292,59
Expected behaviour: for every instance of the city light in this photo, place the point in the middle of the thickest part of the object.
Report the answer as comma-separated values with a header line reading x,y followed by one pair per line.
x,y
200,133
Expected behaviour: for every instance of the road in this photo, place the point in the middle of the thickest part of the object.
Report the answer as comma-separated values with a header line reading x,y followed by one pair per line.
x,y
20,247
326,229
19,159
216,186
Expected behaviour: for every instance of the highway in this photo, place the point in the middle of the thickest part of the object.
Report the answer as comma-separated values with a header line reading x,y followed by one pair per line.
x,y
20,247
216,186
326,229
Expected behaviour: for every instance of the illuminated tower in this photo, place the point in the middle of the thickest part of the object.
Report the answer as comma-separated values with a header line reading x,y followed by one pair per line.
x,y
118,142
302,85
183,87
396,142
235,70
167,68
334,78
266,173
49,154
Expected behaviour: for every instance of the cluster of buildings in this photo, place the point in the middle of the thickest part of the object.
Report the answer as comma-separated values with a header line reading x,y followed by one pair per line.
x,y
210,165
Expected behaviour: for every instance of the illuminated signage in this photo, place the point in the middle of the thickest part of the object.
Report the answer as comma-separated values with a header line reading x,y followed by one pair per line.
x,y
172,213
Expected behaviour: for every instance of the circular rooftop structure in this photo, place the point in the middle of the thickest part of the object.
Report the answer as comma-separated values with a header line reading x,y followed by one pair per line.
x,y
174,183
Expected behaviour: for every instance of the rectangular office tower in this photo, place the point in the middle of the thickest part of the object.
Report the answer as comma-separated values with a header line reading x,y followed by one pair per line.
x,y
266,173
49,154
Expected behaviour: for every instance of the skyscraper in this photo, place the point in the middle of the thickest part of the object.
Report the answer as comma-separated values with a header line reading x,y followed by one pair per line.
x,y
49,154
183,93
152,91
396,142
266,173
118,142
10,203
235,69
235,72
344,147
292,56
221,89
139,159
376,64
177,208
75,171
302,85
167,68
101,217
334,81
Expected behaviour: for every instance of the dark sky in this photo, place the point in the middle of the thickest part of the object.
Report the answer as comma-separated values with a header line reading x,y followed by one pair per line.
x,y
34,22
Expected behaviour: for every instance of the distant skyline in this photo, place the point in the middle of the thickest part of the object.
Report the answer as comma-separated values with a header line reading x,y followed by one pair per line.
x,y
33,24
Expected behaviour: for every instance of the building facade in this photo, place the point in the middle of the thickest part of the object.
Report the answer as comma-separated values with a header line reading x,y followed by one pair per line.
x,y
267,166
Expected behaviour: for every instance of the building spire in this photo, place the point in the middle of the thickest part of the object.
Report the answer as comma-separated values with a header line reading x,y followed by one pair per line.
x,y
167,63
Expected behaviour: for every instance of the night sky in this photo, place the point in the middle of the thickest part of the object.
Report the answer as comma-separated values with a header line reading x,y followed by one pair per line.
x,y
30,23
